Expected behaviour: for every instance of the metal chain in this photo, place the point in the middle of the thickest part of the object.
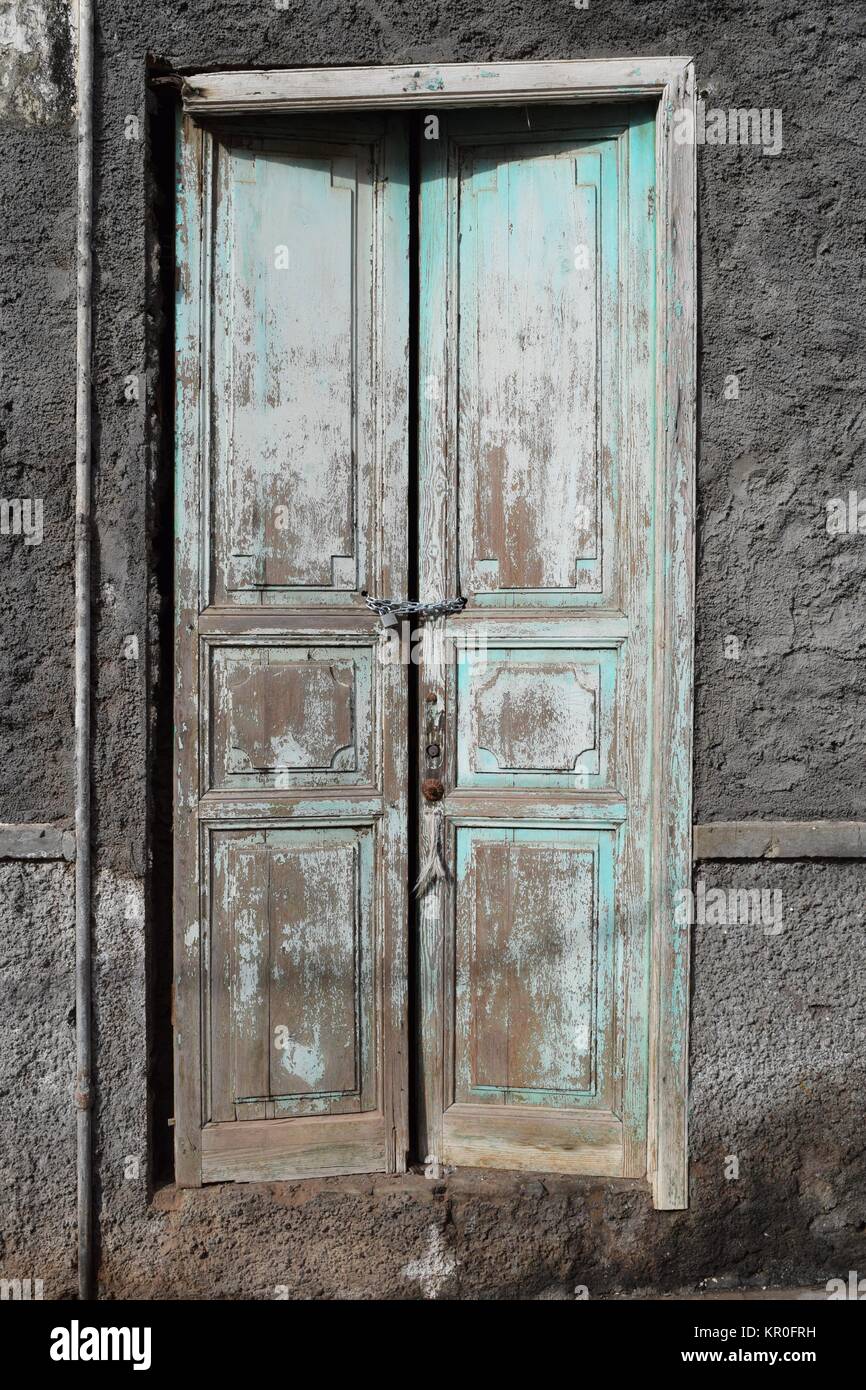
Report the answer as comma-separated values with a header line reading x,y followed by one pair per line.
x,y
408,608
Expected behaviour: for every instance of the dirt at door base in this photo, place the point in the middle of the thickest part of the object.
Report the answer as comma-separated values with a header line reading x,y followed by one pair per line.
x,y
472,1235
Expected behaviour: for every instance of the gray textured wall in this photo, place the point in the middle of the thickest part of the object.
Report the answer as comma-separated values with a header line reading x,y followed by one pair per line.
x,y
777,1065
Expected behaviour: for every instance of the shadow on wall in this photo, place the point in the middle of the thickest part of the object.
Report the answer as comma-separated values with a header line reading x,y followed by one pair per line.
x,y
794,1217
778,1083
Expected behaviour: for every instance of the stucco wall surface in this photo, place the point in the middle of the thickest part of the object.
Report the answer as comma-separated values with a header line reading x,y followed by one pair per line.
x,y
777,1061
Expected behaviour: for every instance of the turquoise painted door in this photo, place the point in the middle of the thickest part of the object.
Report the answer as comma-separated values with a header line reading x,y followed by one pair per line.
x,y
535,471
537,428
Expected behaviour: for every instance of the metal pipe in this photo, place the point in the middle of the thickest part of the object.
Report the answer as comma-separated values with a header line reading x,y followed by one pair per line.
x,y
83,946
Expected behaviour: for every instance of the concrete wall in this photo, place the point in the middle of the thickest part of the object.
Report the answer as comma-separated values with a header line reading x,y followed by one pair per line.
x,y
777,1059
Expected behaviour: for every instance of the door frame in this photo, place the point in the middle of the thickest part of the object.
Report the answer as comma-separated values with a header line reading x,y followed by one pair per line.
x,y
670,82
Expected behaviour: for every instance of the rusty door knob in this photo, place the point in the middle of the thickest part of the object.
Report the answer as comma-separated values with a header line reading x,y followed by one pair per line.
x,y
432,789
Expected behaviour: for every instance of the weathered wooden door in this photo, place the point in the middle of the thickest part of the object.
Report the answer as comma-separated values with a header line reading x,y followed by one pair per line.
x,y
535,467
291,736
537,433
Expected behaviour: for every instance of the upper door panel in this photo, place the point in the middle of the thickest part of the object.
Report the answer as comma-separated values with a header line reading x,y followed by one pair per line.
x,y
297,387
537,259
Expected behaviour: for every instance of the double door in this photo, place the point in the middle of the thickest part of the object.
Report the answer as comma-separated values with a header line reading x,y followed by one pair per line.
x,y
414,359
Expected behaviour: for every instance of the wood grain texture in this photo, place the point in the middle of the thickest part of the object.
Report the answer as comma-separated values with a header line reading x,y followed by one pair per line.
x,y
293,1012
535,716
427,84
192,171
533,967
290,810
543,1142
536,504
638,522
292,468
676,203
656,1143
283,714
530,264
270,1150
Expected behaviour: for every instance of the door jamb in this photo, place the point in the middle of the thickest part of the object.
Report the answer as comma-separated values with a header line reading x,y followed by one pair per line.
x,y
670,81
